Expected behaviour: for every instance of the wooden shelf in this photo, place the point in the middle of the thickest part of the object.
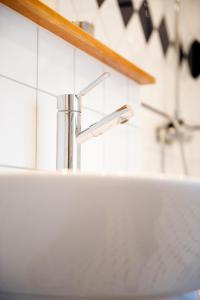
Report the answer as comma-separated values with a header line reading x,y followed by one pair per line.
x,y
46,17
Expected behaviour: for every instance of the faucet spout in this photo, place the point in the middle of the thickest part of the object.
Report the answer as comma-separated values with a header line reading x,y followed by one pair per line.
x,y
120,116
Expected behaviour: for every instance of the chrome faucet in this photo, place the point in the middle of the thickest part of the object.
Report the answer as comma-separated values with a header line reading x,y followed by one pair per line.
x,y
69,134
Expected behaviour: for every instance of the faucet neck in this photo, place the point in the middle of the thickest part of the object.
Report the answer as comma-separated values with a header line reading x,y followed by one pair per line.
x,y
69,103
68,127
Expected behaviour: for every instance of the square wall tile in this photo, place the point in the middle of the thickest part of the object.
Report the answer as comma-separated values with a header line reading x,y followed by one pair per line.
x,y
18,51
112,22
100,30
174,160
55,64
134,157
194,168
193,146
17,124
116,91
173,165
87,69
115,149
67,10
156,8
134,101
46,131
92,150
135,37
151,160
149,122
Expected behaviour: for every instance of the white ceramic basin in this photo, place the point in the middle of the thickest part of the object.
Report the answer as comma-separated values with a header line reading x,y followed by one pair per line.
x,y
99,235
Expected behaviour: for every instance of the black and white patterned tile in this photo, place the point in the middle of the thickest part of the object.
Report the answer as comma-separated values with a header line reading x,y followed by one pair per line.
x,y
146,20
194,59
164,37
126,9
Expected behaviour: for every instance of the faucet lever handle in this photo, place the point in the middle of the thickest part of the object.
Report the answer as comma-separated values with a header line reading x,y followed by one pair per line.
x,y
93,84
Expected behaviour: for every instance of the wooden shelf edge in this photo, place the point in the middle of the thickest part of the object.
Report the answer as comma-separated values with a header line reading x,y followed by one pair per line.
x,y
46,17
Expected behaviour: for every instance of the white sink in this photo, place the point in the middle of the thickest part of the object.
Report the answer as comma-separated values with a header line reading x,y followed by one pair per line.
x,y
99,235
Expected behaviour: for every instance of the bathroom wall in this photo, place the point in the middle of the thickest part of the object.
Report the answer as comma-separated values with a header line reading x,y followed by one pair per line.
x,y
35,66
189,87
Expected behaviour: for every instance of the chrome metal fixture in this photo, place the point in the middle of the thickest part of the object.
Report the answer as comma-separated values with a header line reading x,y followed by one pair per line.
x,y
172,121
86,26
69,134
174,129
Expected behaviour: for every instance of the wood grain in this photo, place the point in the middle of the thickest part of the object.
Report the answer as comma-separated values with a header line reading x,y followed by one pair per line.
x,y
46,17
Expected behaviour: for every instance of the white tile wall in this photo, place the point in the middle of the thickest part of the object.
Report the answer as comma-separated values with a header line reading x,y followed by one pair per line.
x,y
18,50
92,152
134,38
156,10
115,149
55,64
116,90
133,99
17,124
60,68
134,162
46,131
87,69
39,59
111,22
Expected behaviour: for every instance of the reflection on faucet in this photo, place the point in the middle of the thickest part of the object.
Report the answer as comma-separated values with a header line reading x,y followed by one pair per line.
x,y
120,116
69,134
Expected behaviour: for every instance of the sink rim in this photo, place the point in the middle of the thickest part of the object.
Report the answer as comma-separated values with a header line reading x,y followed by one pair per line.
x,y
101,175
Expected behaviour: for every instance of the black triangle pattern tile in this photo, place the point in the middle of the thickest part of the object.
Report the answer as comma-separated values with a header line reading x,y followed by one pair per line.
x,y
163,34
146,20
127,9
194,59
181,55
100,2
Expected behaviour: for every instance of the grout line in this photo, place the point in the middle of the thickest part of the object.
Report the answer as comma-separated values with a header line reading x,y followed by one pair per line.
x,y
74,69
27,85
17,167
127,135
103,163
36,108
24,168
47,93
17,81
52,95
